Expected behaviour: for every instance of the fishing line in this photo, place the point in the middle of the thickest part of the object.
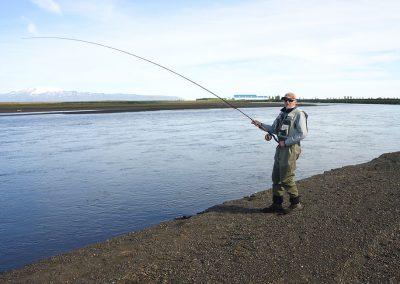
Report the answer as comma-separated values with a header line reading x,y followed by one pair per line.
x,y
149,61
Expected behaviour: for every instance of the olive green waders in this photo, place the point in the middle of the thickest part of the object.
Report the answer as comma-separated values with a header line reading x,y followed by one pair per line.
x,y
284,171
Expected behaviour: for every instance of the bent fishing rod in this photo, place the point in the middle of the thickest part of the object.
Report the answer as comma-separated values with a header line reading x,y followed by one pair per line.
x,y
154,63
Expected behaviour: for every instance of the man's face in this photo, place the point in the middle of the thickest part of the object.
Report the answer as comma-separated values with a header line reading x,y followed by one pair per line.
x,y
289,103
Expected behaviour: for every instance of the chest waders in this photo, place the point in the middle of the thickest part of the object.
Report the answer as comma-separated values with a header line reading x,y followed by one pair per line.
x,y
283,173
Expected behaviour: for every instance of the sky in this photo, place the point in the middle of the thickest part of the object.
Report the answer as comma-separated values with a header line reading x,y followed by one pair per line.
x,y
318,48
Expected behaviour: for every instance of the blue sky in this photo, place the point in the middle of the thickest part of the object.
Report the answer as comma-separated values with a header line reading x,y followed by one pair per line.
x,y
312,48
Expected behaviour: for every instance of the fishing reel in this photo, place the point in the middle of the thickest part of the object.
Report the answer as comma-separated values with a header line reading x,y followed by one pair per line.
x,y
268,137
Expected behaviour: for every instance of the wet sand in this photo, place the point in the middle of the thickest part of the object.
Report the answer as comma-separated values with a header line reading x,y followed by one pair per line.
x,y
349,231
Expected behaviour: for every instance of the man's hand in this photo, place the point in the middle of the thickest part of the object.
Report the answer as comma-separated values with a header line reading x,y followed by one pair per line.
x,y
256,123
282,144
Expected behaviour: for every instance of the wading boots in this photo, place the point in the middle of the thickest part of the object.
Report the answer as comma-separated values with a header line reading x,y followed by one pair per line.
x,y
295,204
276,206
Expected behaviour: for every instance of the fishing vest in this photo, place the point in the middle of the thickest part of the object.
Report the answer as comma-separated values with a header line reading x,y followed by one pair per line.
x,y
286,123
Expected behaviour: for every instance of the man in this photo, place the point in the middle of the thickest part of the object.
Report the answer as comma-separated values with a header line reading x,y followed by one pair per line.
x,y
290,127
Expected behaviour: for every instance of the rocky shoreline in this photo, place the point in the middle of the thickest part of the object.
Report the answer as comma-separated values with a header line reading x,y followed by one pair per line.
x,y
349,231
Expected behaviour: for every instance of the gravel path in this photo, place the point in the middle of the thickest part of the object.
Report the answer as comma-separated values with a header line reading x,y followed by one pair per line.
x,y
349,231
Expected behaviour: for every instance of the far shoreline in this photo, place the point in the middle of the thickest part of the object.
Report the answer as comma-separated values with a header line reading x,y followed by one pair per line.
x,y
128,106
102,107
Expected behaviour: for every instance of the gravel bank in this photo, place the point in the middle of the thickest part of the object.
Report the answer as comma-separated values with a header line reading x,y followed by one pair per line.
x,y
349,231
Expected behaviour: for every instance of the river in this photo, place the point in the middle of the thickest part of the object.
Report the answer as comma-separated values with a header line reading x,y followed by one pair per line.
x,y
69,180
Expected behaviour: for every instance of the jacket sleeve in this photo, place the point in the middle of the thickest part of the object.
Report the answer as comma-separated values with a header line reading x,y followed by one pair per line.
x,y
270,128
301,130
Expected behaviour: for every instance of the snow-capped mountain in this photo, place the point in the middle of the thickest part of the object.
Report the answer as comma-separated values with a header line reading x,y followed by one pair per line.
x,y
59,95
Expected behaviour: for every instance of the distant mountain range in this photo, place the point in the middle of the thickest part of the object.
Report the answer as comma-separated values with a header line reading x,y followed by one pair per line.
x,y
58,95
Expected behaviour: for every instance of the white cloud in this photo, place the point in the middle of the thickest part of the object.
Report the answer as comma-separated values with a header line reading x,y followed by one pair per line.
x,y
105,11
32,28
49,5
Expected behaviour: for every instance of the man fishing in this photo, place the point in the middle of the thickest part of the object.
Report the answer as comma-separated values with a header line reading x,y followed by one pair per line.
x,y
290,127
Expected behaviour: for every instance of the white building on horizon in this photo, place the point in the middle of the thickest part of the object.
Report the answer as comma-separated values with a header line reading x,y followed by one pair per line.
x,y
249,97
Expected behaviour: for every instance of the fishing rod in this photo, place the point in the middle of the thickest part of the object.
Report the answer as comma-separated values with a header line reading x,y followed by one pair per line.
x,y
152,62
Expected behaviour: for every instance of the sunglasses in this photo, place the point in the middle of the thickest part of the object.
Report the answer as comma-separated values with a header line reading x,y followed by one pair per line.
x,y
288,100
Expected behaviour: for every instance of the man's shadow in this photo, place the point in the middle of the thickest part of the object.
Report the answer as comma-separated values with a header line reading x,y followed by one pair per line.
x,y
234,209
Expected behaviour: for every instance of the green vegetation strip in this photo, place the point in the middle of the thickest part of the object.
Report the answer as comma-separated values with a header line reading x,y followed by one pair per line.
x,y
115,106
123,106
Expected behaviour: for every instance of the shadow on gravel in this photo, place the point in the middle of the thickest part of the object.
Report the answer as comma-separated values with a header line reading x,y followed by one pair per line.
x,y
233,209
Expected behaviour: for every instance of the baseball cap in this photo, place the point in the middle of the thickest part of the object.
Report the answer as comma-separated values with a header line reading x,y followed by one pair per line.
x,y
290,96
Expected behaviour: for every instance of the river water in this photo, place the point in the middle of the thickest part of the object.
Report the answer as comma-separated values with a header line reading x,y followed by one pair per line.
x,y
67,181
